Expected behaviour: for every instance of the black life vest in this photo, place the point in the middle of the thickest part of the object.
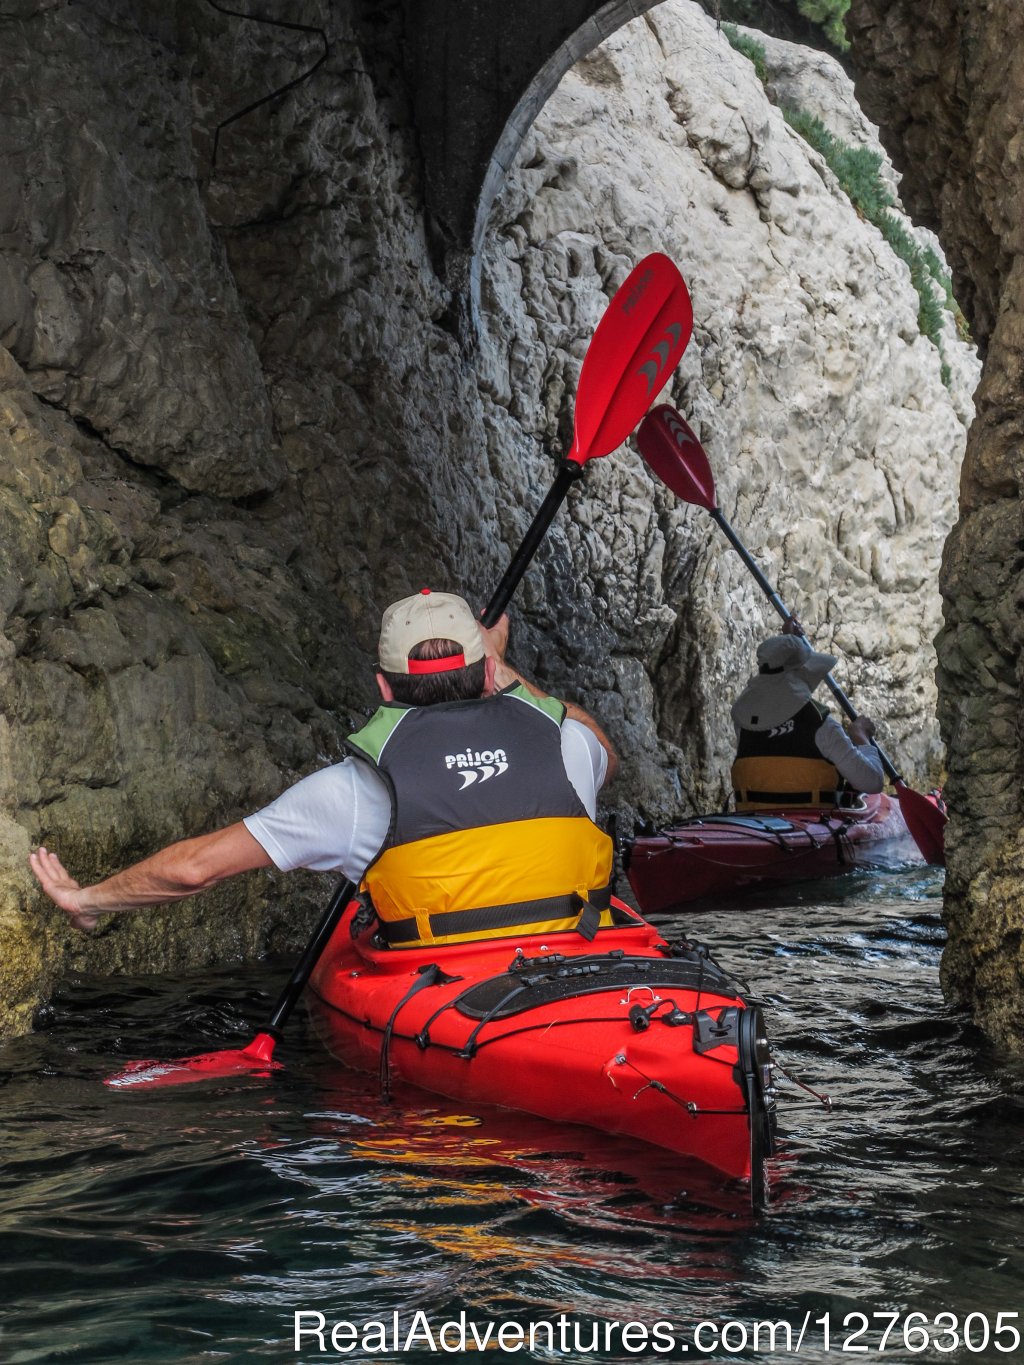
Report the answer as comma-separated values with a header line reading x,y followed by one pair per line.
x,y
782,767
488,836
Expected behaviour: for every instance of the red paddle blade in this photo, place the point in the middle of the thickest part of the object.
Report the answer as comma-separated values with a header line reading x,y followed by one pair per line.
x,y
676,456
257,1057
638,343
926,822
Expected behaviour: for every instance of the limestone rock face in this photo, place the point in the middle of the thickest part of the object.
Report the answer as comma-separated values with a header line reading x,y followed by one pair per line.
x,y
835,445
114,296
237,423
803,78
947,82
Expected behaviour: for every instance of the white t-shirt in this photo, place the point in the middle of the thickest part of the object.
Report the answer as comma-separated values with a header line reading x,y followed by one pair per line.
x,y
338,818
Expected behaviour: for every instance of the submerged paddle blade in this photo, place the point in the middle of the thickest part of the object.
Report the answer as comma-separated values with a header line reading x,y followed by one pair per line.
x,y
676,456
638,343
926,821
208,1066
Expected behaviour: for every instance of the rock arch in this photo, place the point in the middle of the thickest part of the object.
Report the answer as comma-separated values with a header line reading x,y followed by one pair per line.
x,y
476,91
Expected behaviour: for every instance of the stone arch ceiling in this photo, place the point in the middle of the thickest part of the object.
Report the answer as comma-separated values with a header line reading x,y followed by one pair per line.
x,y
477,87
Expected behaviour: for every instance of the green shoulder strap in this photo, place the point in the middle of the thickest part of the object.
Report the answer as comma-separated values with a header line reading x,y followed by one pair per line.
x,y
549,705
370,740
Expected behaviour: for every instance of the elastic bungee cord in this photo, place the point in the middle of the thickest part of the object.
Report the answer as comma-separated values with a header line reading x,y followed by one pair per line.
x,y
838,836
430,975
837,831
692,1108
842,842
769,836
665,1009
824,1100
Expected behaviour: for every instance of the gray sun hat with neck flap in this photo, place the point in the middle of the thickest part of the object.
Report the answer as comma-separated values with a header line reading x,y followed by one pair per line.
x,y
789,672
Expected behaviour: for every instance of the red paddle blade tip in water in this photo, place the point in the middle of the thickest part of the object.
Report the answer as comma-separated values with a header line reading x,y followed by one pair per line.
x,y
926,820
673,452
255,1059
638,343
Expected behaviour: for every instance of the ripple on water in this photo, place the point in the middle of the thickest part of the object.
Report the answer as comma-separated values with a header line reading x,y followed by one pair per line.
x,y
187,1225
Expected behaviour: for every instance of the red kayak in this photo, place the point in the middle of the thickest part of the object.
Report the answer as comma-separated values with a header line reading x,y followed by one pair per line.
x,y
720,855
624,1033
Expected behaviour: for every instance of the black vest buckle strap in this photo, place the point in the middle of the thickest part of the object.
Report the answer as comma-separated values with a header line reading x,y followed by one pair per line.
x,y
492,917
364,916
589,921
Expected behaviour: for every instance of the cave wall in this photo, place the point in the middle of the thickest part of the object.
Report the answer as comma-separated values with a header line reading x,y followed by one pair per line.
x,y
946,82
239,419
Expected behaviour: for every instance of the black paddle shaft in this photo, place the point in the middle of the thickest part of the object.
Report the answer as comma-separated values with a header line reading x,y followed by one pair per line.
x,y
304,970
564,480
780,606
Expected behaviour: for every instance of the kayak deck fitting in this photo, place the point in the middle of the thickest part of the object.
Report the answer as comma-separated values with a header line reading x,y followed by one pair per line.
x,y
625,1033
718,855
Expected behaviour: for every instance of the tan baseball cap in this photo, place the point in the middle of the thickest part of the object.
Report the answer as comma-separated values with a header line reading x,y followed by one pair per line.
x,y
428,616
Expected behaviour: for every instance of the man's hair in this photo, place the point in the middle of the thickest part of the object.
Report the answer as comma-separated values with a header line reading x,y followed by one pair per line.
x,y
428,689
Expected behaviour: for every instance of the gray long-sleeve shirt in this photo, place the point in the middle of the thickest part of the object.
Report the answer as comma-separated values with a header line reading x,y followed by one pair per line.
x,y
858,764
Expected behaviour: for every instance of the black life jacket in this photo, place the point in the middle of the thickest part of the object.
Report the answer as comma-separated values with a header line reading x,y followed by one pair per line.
x,y
488,836
783,767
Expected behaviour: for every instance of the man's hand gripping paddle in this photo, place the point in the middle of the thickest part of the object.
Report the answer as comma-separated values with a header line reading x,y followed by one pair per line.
x,y
638,343
675,455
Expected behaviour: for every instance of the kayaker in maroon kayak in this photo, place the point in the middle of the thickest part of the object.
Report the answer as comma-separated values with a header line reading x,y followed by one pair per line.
x,y
468,803
790,751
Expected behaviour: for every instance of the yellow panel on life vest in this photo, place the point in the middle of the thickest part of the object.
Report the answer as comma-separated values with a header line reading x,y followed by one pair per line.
x,y
489,868
774,783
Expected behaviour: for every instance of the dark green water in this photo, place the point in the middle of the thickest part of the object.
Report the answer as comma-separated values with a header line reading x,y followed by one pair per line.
x,y
188,1225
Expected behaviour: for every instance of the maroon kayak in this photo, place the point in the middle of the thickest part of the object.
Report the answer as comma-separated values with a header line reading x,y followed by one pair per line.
x,y
716,855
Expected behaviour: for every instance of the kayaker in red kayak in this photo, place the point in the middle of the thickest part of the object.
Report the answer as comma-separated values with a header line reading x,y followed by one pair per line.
x,y
468,803
790,751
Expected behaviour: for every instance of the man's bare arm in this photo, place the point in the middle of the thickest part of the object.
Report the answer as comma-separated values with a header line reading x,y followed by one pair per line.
x,y
182,869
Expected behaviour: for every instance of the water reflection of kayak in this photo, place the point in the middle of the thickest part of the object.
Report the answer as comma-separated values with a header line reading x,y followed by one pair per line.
x,y
625,1033
440,1155
716,855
